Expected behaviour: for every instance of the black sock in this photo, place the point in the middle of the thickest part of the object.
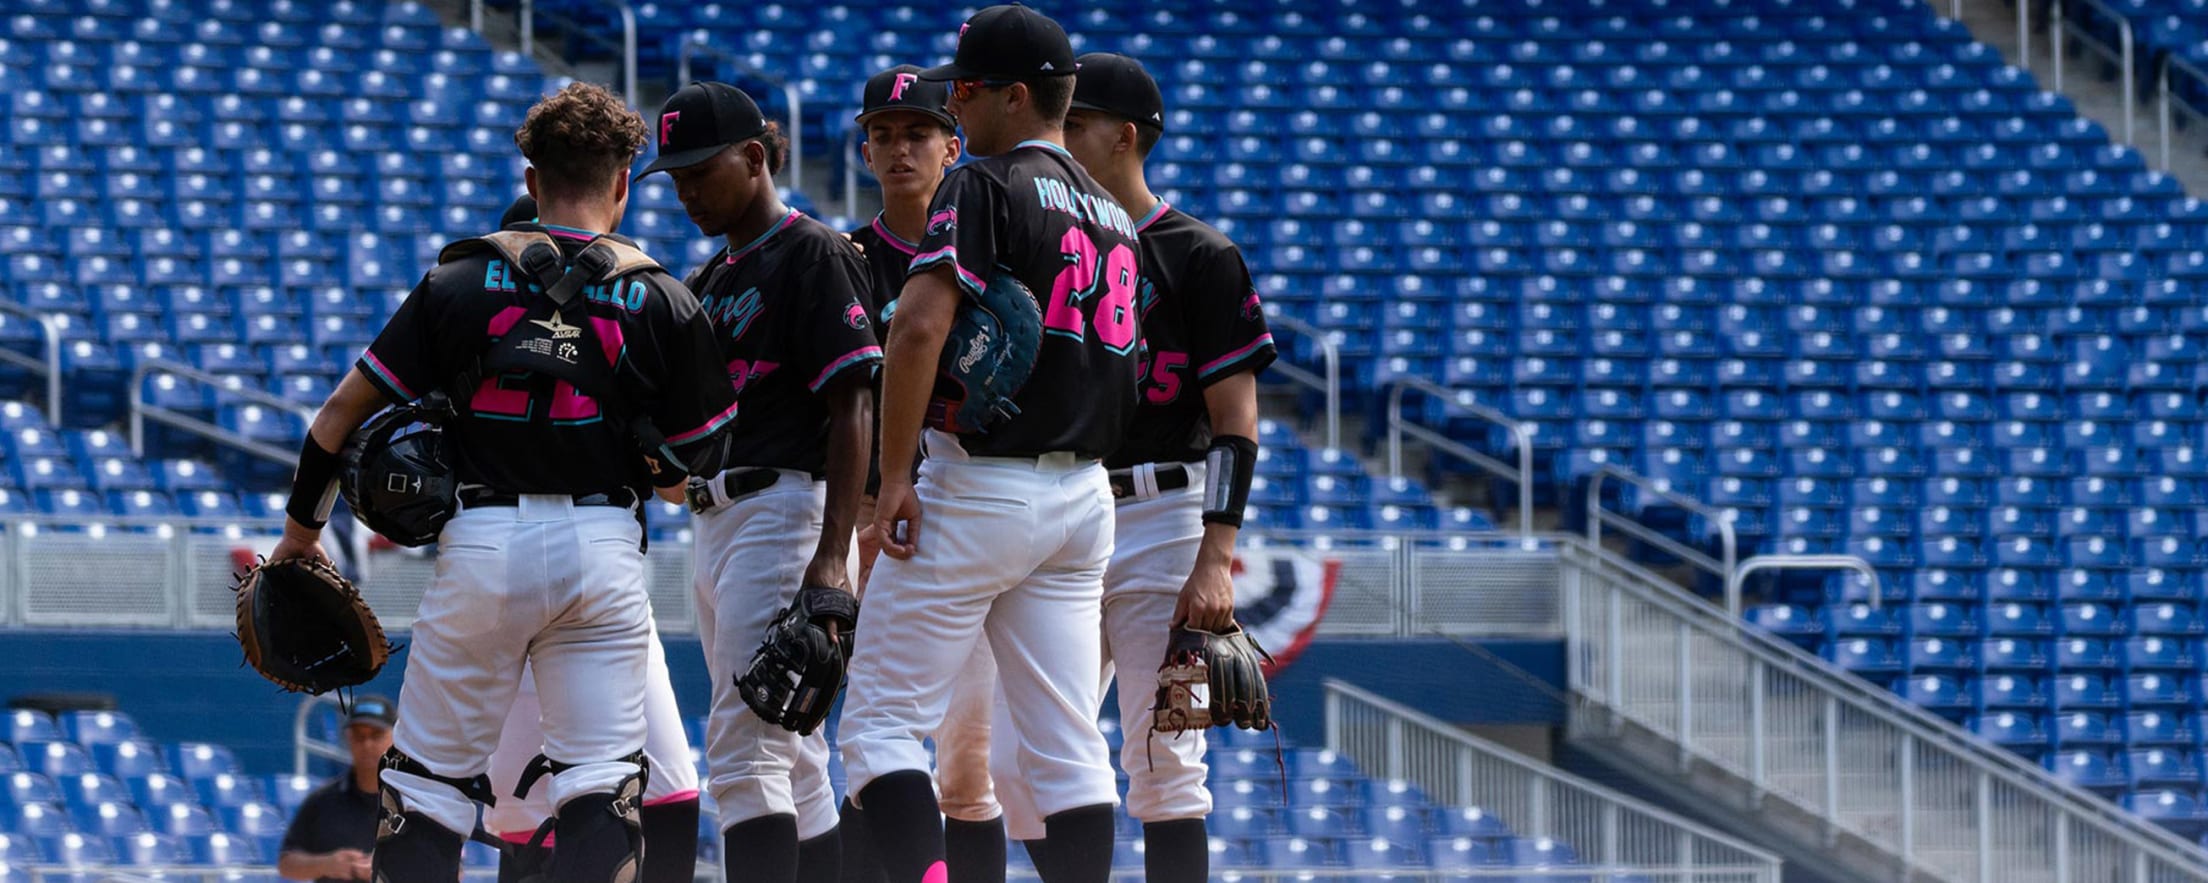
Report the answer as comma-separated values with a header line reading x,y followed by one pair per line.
x,y
761,850
860,865
670,841
1038,854
1176,851
907,825
820,859
974,851
1080,844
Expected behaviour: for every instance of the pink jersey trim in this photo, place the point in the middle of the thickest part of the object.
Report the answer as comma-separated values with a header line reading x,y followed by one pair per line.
x,y
707,429
1156,212
376,365
851,358
949,253
778,227
895,241
1263,340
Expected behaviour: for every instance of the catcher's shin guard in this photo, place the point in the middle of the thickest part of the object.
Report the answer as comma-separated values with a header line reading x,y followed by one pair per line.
x,y
598,837
412,846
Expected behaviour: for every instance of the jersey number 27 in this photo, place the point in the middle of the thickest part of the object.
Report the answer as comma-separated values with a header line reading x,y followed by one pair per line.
x,y
1113,313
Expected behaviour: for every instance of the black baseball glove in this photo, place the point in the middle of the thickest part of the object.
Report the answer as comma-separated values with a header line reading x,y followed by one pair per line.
x,y
305,628
1212,679
793,679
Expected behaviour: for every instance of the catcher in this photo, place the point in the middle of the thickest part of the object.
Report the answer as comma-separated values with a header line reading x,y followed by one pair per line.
x,y
564,350
1179,483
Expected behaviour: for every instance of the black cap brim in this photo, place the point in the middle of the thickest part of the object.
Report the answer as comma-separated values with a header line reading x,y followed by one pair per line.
x,y
680,160
950,71
1083,105
935,115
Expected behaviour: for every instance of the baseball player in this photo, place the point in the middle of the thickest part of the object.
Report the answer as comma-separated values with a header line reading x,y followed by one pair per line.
x,y
1182,476
786,295
543,564
911,140
1006,532
670,812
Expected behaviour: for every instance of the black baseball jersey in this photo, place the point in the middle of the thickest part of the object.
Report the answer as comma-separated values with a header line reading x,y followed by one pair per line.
x,y
887,258
790,312
1034,213
1201,323
533,434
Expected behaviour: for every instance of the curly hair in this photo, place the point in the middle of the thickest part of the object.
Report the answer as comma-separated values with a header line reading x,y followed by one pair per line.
x,y
778,147
580,137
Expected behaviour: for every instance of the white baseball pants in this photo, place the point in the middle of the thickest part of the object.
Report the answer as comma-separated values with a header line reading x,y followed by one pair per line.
x,y
1157,541
751,555
548,583
674,776
1012,550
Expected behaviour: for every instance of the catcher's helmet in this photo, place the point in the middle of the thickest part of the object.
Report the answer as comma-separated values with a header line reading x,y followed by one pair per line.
x,y
397,479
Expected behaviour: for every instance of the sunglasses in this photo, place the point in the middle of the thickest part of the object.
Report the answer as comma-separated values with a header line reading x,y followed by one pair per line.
x,y
965,89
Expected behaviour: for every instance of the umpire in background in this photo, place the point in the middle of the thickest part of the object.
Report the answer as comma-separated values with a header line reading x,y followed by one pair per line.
x,y
543,562
335,829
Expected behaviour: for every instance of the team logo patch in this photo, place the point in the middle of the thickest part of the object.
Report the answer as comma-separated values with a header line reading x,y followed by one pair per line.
x,y
855,316
1251,308
897,88
1281,595
667,126
943,221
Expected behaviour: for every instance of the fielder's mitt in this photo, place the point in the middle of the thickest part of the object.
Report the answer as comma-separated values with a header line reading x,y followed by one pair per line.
x,y
1212,679
795,676
987,358
306,629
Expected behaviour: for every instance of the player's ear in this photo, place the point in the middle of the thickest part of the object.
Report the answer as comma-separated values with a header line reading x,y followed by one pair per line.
x,y
866,151
1128,138
529,180
952,148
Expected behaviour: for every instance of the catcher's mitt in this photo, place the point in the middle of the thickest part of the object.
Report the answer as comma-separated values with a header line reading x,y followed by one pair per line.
x,y
304,627
795,676
1212,679
987,358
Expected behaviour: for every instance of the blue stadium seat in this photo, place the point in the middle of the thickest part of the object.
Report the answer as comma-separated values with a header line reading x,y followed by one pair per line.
x,y
2177,810
202,760
2090,770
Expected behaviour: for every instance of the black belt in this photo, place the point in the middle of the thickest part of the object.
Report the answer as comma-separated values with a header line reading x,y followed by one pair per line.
x,y
1170,476
480,497
734,483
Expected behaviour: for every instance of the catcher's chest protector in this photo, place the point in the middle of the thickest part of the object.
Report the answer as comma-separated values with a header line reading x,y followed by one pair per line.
x,y
549,338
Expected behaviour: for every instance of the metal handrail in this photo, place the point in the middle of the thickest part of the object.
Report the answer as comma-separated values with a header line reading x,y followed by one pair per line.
x,y
1768,654
2166,98
790,94
2059,29
1338,693
141,410
303,745
1755,563
2023,32
1330,385
1521,435
49,328
851,162
1599,517
528,21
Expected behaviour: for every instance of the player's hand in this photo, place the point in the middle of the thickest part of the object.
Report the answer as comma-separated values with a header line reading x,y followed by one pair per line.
x,y
1207,599
870,548
855,245
299,541
897,518
350,864
833,573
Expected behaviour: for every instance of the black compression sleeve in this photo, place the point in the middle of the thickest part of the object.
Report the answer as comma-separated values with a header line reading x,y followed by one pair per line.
x,y
314,485
1228,467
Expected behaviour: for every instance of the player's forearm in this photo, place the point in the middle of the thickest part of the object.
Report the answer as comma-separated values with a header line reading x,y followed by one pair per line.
x,y
850,424
350,405
297,865
924,313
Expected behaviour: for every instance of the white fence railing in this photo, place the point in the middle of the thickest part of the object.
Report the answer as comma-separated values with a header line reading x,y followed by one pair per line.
x,y
1650,662
1612,834
178,573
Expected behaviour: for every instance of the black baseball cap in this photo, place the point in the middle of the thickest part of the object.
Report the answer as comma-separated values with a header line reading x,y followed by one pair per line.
x,y
373,710
699,121
1010,42
900,88
522,211
1118,85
